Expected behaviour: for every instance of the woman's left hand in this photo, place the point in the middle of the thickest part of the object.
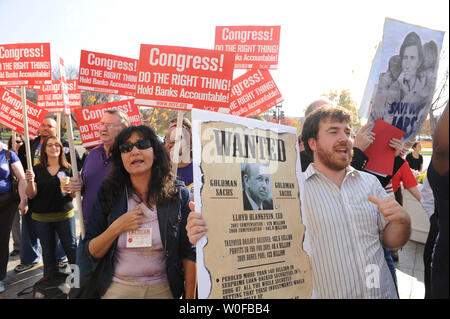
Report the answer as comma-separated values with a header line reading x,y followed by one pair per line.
x,y
23,207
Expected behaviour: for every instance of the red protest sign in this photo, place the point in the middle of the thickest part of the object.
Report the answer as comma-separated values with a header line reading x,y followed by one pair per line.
x,y
182,78
28,87
24,63
381,155
11,114
107,73
50,96
256,47
253,93
89,117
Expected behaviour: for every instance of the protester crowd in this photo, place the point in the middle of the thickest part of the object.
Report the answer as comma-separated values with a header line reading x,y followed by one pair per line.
x,y
353,217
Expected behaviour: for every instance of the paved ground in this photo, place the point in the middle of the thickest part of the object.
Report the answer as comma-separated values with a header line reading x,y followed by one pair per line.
x,y
17,282
410,271
410,274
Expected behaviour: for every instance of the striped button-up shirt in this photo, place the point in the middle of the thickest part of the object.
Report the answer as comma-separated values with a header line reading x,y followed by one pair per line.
x,y
343,236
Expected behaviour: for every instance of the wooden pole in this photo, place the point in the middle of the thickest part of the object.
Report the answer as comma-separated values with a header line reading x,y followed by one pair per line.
x,y
176,147
73,161
58,125
25,127
13,139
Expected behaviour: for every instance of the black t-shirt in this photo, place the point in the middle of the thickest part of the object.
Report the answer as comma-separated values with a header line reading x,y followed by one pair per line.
x,y
414,163
49,198
440,186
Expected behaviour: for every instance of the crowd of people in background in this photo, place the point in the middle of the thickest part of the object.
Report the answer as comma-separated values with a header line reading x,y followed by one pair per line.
x,y
128,189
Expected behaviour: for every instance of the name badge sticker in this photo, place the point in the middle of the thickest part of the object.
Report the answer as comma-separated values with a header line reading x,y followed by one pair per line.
x,y
139,238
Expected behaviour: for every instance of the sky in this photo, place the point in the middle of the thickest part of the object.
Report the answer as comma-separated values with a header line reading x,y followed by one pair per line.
x,y
325,45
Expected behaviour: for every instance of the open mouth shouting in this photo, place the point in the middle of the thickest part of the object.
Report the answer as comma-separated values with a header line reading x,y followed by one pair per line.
x,y
136,162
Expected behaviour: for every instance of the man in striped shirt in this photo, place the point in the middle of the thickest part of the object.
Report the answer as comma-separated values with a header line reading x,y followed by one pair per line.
x,y
347,213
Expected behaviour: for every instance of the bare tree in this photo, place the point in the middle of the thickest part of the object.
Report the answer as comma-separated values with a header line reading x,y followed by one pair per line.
x,y
440,97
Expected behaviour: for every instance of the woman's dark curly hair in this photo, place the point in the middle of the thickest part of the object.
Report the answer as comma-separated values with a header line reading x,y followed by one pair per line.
x,y
161,186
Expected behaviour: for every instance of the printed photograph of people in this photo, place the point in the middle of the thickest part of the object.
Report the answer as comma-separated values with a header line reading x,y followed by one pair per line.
x,y
257,187
410,59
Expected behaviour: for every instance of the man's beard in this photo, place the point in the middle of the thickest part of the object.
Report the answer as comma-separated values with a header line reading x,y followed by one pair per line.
x,y
326,158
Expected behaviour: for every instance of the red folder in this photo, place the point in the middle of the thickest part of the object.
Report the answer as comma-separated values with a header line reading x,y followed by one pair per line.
x,y
381,155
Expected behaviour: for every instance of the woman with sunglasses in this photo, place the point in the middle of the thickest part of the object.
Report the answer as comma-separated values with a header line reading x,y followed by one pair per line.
x,y
138,224
14,145
51,205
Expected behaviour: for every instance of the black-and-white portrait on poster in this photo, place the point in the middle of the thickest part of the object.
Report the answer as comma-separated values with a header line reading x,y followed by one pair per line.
x,y
257,187
410,60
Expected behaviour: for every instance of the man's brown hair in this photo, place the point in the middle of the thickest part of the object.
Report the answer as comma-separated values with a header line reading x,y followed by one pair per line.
x,y
311,125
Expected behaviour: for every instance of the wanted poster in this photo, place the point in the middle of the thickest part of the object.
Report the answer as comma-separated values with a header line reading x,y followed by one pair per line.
x,y
247,187
184,78
25,63
11,113
407,78
106,73
254,93
256,47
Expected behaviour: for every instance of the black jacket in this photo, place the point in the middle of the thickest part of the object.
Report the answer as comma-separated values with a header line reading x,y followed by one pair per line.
x,y
34,144
172,219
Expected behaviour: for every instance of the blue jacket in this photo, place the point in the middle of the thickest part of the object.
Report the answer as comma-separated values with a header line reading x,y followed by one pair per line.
x,y
172,219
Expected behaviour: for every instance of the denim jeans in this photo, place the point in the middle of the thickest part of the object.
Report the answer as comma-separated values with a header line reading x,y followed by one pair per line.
x,y
84,263
391,265
47,234
29,245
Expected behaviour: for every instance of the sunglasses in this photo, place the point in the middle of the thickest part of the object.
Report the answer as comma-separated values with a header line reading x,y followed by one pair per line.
x,y
141,145
19,141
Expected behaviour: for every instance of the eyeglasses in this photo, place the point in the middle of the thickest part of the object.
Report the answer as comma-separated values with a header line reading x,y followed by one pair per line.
x,y
171,139
53,145
47,126
141,145
107,125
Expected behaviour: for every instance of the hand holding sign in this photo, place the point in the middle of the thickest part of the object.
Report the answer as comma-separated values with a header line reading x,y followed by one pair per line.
x,y
74,185
29,175
23,207
196,225
396,144
364,137
390,209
